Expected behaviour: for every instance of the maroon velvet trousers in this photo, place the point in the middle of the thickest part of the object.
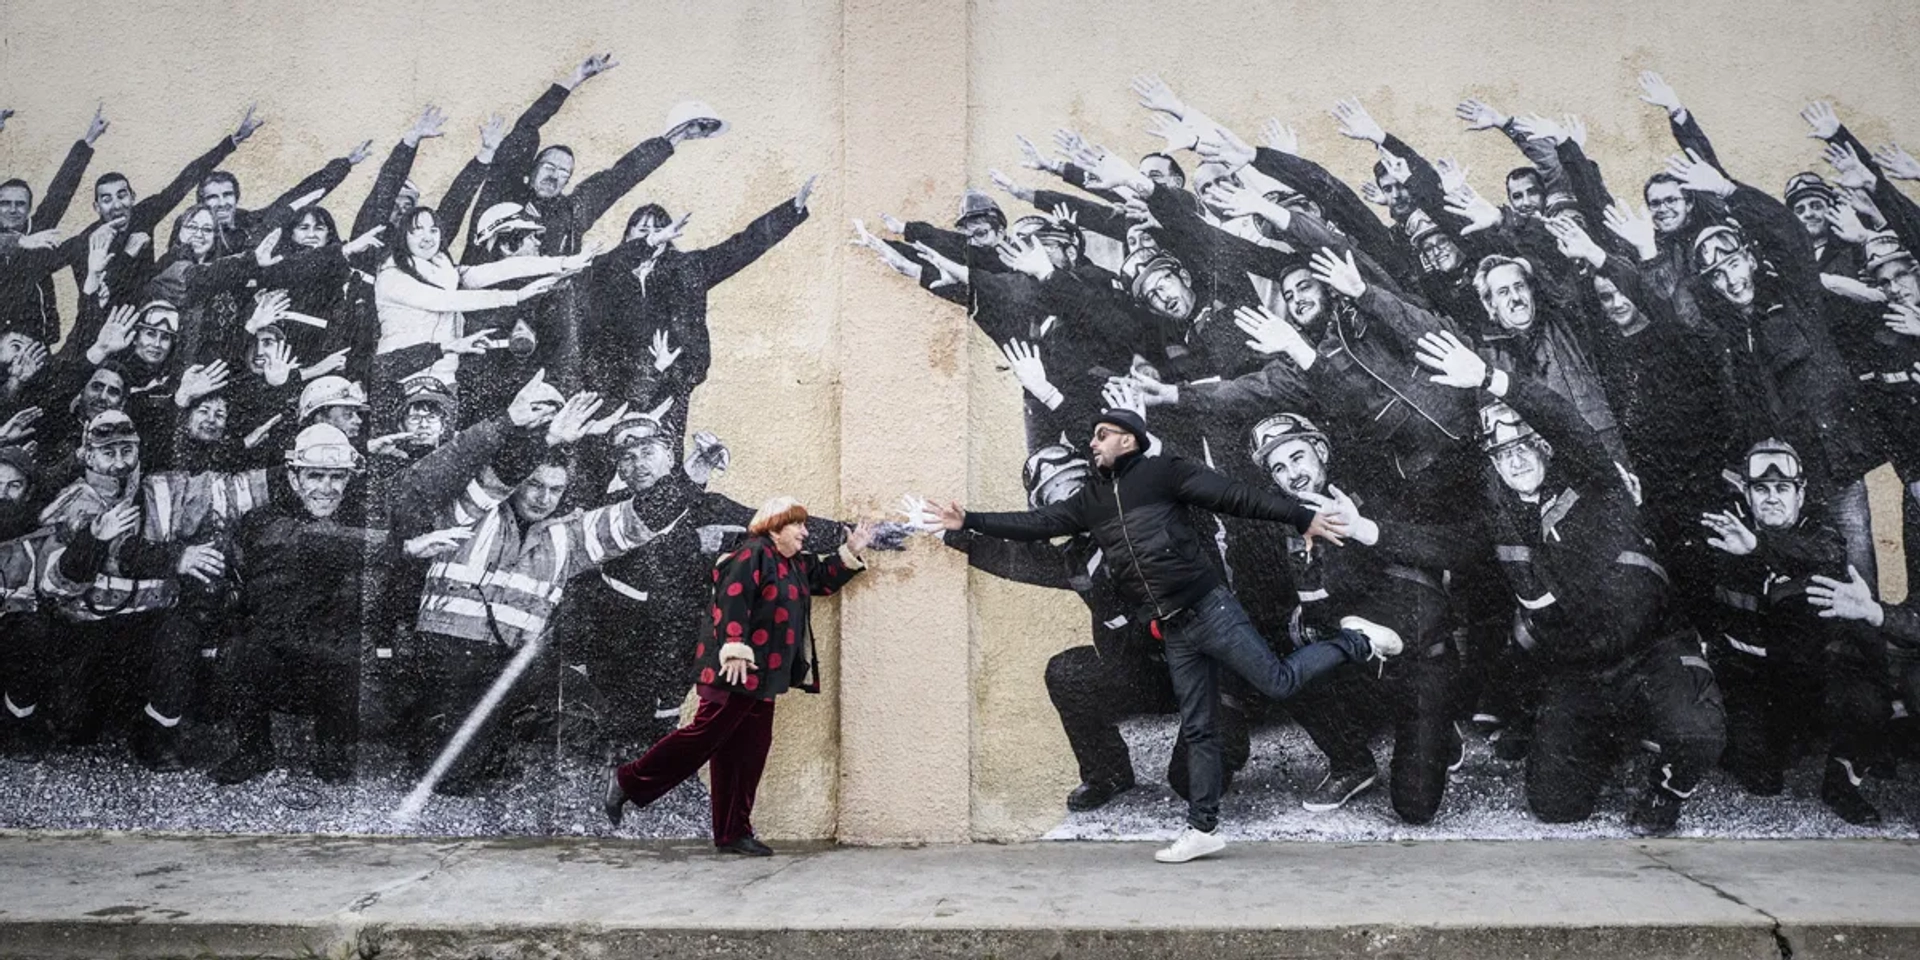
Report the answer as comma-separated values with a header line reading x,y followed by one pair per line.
x,y
730,731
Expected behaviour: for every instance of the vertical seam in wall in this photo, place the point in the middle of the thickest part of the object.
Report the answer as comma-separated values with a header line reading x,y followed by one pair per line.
x,y
964,355
839,400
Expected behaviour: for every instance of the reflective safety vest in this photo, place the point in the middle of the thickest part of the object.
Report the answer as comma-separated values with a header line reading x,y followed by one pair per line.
x,y
502,586
174,507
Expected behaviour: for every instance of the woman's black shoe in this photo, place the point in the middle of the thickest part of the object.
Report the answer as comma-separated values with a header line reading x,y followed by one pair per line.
x,y
748,846
616,799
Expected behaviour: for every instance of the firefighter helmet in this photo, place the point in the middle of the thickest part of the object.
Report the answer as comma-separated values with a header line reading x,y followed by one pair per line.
x,y
1050,465
322,446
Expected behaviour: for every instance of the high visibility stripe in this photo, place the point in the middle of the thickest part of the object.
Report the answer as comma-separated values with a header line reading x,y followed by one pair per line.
x,y
1308,596
519,619
1634,558
1513,554
624,589
1543,601
562,543
500,578
162,507
596,550
219,497
251,490
1736,599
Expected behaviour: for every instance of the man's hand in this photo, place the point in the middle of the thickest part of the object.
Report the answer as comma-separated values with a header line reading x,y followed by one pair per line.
x,y
31,359
1024,358
1396,167
1852,170
19,427
570,425
604,425
1328,527
439,543
589,68
1698,175
248,124
1006,184
1846,224
389,445
950,516
97,126
1654,90
662,351
115,335
1635,226
1356,123
1820,116
1217,144
263,251
662,236
1468,204
1178,134
116,521
1851,288
359,154
200,380
947,269
893,224
44,240
525,410
432,123
1453,176
1339,508
1027,256
1154,94
1031,158
1243,201
1106,171
1729,534
1269,333
1279,137
365,241
709,458
269,307
331,363
1576,129
1574,243
1339,273
492,133
277,366
1479,114
1852,600
1455,364
1903,319
203,562
806,193
99,251
1536,127
1897,163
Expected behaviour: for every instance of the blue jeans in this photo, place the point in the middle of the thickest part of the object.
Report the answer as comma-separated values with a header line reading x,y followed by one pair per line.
x,y
1215,633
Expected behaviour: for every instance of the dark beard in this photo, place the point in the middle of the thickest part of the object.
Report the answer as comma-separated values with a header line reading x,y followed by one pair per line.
x,y
17,518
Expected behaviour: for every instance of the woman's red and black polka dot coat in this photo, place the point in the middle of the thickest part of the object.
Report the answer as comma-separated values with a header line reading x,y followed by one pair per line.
x,y
763,600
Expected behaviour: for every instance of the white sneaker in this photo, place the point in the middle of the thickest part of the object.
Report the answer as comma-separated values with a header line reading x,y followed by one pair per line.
x,y
1382,641
1190,845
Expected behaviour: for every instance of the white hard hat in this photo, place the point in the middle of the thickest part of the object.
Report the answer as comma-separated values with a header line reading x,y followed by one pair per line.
x,y
687,110
331,391
324,446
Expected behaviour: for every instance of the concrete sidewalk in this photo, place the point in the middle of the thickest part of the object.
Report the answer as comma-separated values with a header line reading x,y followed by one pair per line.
x,y
87,895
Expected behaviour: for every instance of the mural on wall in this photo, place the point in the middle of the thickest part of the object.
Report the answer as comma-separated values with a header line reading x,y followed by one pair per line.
x,y
1597,462
318,524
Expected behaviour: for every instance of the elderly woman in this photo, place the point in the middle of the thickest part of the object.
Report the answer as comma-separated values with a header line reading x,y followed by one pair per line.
x,y
761,647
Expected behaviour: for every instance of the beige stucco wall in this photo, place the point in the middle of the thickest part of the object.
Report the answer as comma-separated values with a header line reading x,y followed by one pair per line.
x,y
936,725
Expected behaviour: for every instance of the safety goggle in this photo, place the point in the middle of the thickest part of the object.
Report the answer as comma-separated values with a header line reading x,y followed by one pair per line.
x,y
1773,465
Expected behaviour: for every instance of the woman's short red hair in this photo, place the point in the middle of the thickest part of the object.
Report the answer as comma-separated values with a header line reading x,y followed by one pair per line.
x,y
776,514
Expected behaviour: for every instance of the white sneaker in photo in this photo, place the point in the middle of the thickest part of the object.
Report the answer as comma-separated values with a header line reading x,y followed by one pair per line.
x,y
1190,845
1382,641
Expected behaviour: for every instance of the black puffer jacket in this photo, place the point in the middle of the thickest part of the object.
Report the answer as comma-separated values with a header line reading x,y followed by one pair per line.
x,y
1138,513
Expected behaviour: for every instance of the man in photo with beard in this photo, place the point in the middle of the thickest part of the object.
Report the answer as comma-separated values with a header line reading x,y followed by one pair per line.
x,y
126,541
1778,661
302,574
1123,673
1138,510
25,656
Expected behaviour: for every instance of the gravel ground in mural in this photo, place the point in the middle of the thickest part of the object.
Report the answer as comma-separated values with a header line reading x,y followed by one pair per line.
x,y
101,788
1484,801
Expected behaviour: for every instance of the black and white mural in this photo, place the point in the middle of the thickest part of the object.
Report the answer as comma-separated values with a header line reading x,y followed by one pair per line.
x,y
381,514
1599,449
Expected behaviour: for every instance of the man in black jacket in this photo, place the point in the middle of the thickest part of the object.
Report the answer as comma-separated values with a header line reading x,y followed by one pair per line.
x,y
1139,511
1123,673
27,297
